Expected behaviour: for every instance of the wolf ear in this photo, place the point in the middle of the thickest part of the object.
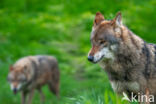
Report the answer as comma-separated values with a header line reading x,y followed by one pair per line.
x,y
11,68
118,19
98,18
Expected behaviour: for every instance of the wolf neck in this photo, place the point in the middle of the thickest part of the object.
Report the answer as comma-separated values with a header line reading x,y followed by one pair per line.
x,y
130,45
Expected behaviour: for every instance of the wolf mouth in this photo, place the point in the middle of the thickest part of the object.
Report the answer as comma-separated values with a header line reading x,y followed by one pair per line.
x,y
98,59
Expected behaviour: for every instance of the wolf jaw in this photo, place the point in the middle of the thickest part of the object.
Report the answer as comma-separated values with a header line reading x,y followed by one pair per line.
x,y
15,89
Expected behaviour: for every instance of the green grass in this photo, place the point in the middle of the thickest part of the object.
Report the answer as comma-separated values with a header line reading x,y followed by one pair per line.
x,y
62,28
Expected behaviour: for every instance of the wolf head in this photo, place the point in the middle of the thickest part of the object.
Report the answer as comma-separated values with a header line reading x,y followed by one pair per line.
x,y
105,37
17,78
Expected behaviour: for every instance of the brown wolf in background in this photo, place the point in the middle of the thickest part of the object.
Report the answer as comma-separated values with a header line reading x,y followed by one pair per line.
x,y
32,72
128,60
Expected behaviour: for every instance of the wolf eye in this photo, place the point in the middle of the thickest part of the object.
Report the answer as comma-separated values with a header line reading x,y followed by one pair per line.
x,y
22,80
102,42
10,79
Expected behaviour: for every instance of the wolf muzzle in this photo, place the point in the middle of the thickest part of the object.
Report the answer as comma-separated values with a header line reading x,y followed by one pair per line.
x,y
15,90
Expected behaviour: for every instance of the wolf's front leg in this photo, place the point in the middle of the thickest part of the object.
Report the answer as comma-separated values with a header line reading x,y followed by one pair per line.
x,y
146,99
147,94
30,96
23,97
41,96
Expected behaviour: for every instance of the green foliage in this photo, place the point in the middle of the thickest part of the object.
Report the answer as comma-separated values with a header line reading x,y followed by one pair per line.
x,y
62,28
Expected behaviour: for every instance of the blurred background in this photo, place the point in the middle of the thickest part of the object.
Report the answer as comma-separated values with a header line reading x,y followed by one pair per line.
x,y
62,28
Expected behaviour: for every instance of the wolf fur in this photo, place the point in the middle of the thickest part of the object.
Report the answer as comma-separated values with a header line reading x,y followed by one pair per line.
x,y
32,72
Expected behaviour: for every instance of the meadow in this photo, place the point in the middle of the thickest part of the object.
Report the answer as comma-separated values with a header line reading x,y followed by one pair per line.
x,y
61,28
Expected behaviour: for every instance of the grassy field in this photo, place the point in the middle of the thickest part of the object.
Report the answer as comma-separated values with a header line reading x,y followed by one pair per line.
x,y
62,28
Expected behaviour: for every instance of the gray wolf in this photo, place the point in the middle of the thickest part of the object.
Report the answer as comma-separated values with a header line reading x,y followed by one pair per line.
x,y
129,61
31,73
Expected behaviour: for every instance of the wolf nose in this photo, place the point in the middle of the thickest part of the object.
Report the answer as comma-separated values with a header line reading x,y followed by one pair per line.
x,y
90,58
15,90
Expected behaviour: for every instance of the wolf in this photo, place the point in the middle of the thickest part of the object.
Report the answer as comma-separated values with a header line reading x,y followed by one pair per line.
x,y
129,61
31,73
